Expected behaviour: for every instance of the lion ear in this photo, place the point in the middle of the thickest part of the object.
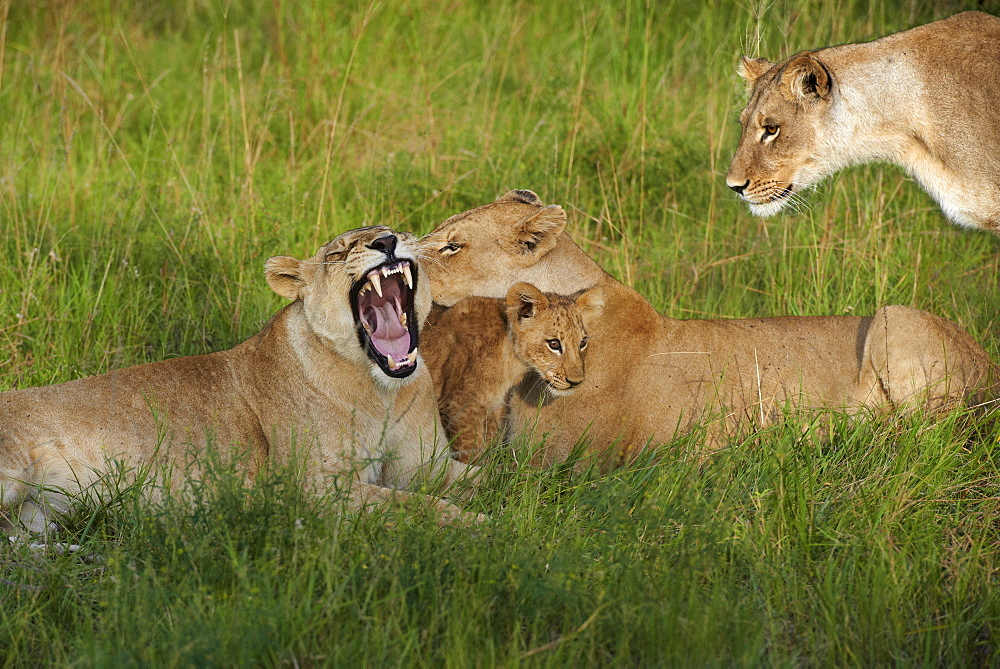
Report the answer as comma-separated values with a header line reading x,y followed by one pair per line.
x,y
525,301
590,304
807,80
534,236
284,275
520,195
751,69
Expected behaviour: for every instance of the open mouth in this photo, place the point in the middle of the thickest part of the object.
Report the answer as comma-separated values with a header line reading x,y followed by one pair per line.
x,y
385,314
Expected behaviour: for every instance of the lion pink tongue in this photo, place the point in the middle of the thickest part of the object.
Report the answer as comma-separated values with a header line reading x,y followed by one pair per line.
x,y
388,336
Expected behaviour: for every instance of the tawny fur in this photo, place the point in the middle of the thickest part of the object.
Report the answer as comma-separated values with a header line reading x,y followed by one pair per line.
x,y
301,383
926,99
479,349
651,378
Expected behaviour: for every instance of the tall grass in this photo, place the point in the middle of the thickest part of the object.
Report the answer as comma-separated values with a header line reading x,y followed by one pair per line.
x,y
152,155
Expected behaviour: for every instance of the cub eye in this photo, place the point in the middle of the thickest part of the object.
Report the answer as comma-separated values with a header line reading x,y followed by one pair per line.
x,y
554,345
450,248
583,343
770,131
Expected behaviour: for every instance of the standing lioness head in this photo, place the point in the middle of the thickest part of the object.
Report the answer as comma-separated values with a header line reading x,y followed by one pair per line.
x,y
363,292
782,123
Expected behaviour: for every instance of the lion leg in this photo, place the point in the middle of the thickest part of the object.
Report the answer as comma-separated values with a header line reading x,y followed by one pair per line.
x,y
913,359
28,502
35,517
422,461
37,485
432,470
472,428
18,512
364,496
354,487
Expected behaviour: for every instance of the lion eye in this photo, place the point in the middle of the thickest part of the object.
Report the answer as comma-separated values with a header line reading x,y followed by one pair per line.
x,y
770,131
555,345
583,343
450,248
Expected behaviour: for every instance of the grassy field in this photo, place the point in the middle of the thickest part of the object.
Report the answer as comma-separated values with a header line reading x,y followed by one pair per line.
x,y
153,154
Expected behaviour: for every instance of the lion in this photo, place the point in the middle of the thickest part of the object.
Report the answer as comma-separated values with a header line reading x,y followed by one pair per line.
x,y
334,378
481,348
651,378
926,99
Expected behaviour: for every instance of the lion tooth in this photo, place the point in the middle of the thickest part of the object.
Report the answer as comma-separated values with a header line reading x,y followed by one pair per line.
x,y
376,283
402,319
392,363
385,272
408,277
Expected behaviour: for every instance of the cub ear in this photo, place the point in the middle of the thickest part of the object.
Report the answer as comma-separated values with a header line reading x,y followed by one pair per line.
x,y
807,80
751,69
524,301
284,275
520,195
534,236
590,304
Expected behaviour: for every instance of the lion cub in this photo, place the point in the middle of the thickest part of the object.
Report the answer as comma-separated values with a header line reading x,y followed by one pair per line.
x,y
479,349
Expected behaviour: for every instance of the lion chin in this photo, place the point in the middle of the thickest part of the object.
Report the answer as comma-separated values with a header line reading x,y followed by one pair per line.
x,y
771,208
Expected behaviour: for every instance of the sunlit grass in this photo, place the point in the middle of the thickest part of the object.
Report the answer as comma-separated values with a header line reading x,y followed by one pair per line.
x,y
153,155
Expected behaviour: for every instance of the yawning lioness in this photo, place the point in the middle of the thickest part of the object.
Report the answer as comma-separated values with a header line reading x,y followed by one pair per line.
x,y
335,375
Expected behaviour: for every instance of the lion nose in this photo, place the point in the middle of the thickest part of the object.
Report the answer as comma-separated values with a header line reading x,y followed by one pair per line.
x,y
386,244
739,187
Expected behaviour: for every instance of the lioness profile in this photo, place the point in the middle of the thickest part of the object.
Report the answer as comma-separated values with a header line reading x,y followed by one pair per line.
x,y
926,99
479,349
334,375
650,378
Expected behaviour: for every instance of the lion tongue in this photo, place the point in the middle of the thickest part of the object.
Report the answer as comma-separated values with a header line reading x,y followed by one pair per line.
x,y
388,336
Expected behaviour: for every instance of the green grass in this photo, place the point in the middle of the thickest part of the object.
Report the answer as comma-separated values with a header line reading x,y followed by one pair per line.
x,y
152,155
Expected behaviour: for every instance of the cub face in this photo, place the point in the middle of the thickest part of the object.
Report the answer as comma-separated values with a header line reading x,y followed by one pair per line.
x,y
484,250
777,153
364,293
549,333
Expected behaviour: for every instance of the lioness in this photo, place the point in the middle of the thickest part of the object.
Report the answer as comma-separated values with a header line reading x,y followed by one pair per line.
x,y
927,99
651,377
335,375
479,349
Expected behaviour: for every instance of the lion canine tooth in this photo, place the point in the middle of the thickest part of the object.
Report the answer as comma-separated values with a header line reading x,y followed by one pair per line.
x,y
376,282
392,363
408,277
